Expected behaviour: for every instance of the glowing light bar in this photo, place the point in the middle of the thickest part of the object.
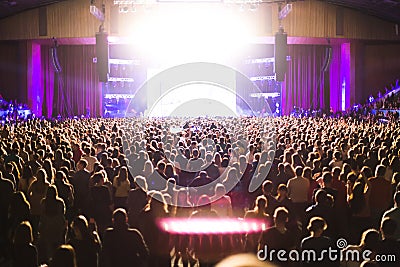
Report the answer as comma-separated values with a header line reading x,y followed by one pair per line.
x,y
266,95
124,61
212,226
120,79
260,60
124,96
263,78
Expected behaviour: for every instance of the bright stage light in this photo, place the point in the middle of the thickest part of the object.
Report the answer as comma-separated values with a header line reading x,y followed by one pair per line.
x,y
212,226
195,100
180,33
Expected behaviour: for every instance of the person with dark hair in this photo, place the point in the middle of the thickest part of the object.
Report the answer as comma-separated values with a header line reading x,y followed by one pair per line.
x,y
65,192
6,192
317,242
123,246
36,192
156,239
80,182
100,203
210,167
394,214
86,244
207,248
267,188
381,194
64,256
389,245
279,236
360,215
153,181
369,241
137,200
26,180
322,208
52,225
19,211
50,171
9,174
24,252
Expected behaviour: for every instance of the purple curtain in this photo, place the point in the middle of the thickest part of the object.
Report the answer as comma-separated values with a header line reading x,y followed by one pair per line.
x,y
75,91
304,84
47,81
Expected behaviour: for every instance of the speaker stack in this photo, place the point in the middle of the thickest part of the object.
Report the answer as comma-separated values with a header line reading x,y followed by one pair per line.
x,y
281,51
102,56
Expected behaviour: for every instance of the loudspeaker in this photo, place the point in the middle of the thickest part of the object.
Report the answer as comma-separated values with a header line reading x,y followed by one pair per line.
x,y
102,56
327,60
281,51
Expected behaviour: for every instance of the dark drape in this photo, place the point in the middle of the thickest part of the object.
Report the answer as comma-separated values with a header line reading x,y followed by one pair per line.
x,y
304,84
75,91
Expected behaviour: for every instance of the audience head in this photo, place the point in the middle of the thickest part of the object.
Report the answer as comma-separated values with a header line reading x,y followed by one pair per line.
x,y
267,187
80,227
388,228
120,219
281,215
64,256
380,171
261,203
299,171
370,240
141,182
317,225
23,234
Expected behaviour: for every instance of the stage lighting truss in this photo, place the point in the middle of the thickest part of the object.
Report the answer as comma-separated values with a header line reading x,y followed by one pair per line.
x,y
129,6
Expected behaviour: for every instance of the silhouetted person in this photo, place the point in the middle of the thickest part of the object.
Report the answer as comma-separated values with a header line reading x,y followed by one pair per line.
x,y
24,252
64,256
86,244
123,246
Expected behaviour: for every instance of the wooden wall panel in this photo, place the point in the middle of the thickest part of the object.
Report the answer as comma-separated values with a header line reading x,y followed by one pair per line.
x,y
360,26
308,19
71,19
21,26
311,19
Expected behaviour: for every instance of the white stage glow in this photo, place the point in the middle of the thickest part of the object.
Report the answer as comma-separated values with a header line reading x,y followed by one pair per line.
x,y
178,33
195,100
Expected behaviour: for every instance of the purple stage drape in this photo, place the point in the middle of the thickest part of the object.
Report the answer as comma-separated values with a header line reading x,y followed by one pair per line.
x,y
75,91
304,84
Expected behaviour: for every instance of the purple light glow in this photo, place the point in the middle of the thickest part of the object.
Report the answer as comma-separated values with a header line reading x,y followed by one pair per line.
x,y
212,226
339,75
35,88
345,75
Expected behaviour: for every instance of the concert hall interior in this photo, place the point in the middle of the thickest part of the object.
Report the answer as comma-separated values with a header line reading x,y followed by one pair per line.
x,y
199,133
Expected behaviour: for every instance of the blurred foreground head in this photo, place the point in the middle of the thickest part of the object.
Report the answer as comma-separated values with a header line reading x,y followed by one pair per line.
x,y
243,260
